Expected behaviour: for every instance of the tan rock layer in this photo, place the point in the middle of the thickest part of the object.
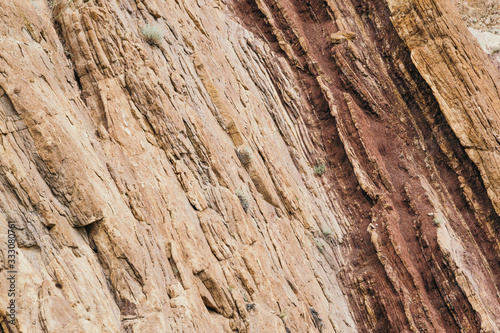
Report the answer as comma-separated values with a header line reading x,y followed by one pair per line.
x,y
121,167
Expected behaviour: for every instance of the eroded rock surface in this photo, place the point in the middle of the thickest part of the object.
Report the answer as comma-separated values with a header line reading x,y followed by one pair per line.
x,y
483,20
262,166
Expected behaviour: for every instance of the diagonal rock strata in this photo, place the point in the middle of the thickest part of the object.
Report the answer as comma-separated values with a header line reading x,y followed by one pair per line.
x,y
368,201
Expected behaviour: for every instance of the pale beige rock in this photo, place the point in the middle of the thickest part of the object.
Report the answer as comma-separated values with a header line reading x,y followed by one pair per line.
x,y
132,189
133,212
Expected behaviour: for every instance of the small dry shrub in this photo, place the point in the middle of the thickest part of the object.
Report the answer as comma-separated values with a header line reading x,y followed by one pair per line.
x,y
152,34
244,155
243,200
320,168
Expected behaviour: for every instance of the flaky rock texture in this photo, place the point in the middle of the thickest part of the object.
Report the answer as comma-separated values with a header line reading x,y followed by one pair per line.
x,y
480,14
248,166
483,20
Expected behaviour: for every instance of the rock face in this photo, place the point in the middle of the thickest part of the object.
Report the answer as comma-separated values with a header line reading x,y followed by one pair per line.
x,y
480,15
248,166
483,20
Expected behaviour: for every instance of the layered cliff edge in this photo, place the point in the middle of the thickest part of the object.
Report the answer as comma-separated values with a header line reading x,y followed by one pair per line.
x,y
258,166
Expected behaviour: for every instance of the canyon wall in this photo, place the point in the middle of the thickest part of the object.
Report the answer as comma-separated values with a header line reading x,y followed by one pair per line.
x,y
248,166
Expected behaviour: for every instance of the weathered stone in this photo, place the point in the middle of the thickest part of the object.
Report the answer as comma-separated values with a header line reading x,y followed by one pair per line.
x,y
123,166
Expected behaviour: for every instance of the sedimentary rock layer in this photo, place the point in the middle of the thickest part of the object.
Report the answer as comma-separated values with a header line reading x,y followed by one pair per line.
x,y
262,165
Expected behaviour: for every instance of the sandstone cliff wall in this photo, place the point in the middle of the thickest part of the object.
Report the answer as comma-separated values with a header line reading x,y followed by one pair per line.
x,y
265,166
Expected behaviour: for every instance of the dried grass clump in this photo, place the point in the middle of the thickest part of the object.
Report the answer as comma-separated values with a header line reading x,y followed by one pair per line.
x,y
243,200
244,155
152,34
